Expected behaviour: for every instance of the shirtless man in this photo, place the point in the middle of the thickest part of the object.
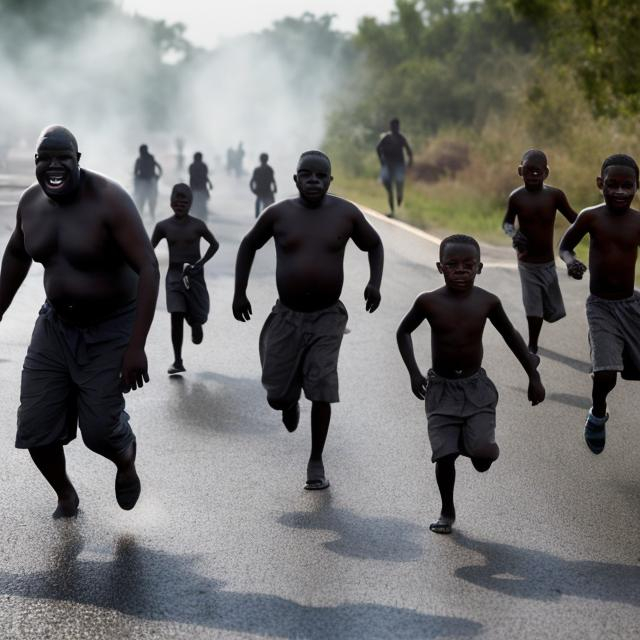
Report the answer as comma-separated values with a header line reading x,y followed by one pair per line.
x,y
613,308
200,184
101,281
300,341
391,150
534,206
146,173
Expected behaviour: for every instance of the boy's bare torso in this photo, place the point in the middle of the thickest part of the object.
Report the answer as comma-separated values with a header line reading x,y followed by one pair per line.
x,y
183,238
86,275
457,325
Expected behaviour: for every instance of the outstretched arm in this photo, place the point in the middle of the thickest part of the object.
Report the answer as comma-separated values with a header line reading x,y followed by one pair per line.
x,y
409,324
514,341
570,240
15,266
367,239
131,237
256,238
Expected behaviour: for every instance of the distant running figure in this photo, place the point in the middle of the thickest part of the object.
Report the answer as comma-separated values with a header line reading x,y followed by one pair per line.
x,y
613,308
460,399
391,149
263,184
200,185
146,173
300,341
534,206
186,289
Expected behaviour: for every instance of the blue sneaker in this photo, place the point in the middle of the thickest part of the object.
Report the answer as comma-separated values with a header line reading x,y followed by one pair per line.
x,y
594,432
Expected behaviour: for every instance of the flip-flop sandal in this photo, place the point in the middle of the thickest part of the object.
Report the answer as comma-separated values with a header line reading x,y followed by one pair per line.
x,y
441,526
173,369
594,434
316,479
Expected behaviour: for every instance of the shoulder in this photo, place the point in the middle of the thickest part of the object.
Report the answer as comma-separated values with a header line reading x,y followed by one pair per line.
x,y
487,298
30,195
591,213
516,193
558,194
345,207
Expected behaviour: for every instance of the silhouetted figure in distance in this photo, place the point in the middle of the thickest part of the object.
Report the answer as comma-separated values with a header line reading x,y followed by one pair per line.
x,y
146,173
101,282
300,340
460,399
391,150
534,206
263,184
200,185
187,296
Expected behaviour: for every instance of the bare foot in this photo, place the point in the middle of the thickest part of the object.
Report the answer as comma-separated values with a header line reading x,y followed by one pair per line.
x,y
444,523
316,479
128,483
67,505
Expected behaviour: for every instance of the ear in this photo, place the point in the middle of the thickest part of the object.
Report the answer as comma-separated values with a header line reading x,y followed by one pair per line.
x,y
546,172
600,182
480,265
35,158
295,178
439,267
520,170
330,178
78,158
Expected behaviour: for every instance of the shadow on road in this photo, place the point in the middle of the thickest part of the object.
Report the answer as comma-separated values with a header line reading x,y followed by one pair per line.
x,y
578,365
536,575
389,539
157,586
570,399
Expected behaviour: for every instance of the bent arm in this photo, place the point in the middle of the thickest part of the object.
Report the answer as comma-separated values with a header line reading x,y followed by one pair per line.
x,y
367,239
214,245
409,152
572,237
565,208
159,168
158,234
407,326
513,339
15,266
508,223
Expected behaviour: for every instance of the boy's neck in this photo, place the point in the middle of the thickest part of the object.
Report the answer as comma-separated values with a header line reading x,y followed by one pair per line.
x,y
459,293
534,189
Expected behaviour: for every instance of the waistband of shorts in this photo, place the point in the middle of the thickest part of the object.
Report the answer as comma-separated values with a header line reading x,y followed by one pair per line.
x,y
49,309
335,307
593,299
535,266
432,376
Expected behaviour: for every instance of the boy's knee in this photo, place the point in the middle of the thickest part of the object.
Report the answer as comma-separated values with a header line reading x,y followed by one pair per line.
x,y
484,453
605,379
280,404
481,464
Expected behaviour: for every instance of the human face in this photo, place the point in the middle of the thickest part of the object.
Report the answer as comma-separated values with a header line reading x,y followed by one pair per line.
x,y
618,185
460,263
534,172
57,168
313,178
181,203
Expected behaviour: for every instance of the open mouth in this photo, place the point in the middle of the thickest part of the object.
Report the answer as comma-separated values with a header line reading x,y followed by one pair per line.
x,y
55,180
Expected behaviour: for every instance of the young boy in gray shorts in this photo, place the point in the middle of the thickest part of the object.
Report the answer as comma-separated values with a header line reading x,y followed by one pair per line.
x,y
534,205
460,398
613,308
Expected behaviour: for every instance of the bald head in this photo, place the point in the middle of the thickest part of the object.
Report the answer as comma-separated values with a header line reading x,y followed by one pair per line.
x,y
535,155
314,154
57,137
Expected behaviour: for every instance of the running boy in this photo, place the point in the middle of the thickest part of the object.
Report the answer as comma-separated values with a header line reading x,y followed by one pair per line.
x,y
613,308
300,340
460,398
534,205
187,295
263,184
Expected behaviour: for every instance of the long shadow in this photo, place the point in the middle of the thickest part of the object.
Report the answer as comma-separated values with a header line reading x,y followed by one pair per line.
x,y
536,575
578,365
570,399
157,586
220,407
389,539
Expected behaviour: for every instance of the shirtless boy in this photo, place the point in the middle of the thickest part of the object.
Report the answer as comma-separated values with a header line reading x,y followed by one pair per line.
x,y
613,308
460,398
101,281
391,153
534,206
301,338
263,184
146,173
182,233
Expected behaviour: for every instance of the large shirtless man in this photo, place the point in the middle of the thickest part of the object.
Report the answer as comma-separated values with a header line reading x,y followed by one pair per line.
x,y
87,348
301,338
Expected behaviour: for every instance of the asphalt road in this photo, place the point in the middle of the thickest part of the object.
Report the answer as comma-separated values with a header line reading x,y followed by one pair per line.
x,y
224,542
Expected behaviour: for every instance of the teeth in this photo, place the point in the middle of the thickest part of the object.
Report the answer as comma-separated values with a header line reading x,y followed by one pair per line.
x,y
55,181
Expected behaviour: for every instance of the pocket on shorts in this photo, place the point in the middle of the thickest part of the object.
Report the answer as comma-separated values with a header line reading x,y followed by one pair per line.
x,y
483,393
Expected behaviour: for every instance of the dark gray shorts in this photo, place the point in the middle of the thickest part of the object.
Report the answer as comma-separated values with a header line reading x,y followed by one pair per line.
x,y
461,416
390,173
193,302
299,350
541,294
614,334
71,376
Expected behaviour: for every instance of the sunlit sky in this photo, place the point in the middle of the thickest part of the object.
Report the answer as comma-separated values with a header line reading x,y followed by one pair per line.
x,y
211,21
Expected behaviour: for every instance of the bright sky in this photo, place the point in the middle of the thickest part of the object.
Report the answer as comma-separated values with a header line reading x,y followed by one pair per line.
x,y
210,21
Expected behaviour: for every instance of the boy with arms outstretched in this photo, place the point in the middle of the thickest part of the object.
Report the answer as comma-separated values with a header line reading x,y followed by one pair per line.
x,y
187,295
534,205
613,308
460,398
300,340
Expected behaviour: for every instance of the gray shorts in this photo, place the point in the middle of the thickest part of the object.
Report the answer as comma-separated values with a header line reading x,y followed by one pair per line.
x,y
193,302
614,335
541,294
299,350
71,376
390,173
461,416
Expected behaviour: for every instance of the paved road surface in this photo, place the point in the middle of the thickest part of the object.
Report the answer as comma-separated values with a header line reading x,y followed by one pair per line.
x,y
224,543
